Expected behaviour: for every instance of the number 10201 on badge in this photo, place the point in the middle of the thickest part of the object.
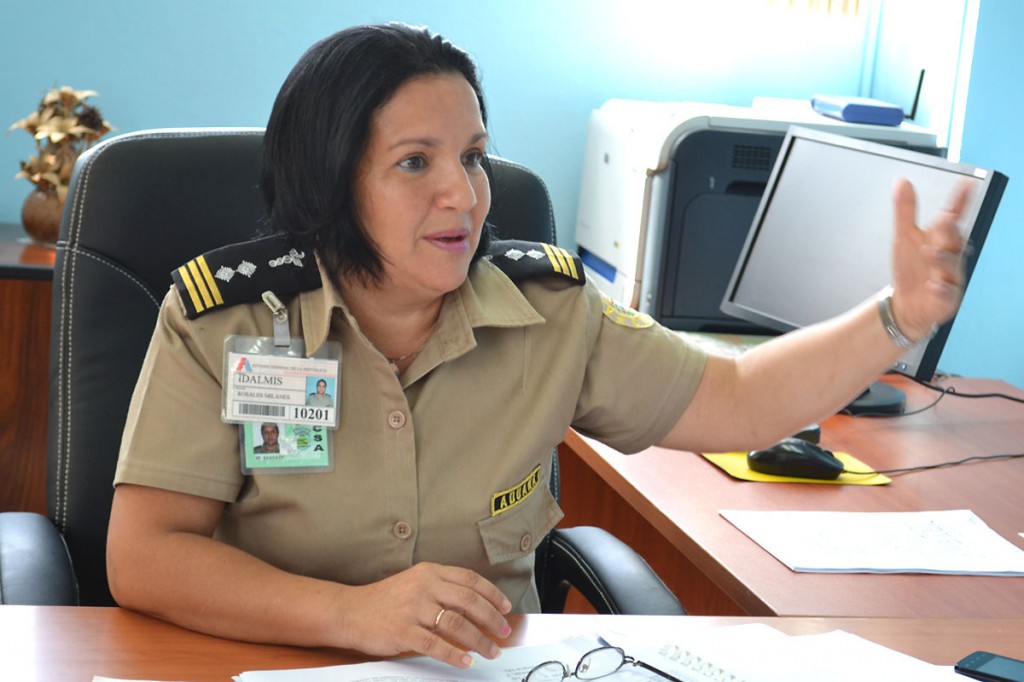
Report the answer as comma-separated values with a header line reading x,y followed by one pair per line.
x,y
290,389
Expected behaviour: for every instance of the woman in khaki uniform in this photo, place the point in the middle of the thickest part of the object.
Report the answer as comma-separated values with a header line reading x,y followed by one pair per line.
x,y
463,363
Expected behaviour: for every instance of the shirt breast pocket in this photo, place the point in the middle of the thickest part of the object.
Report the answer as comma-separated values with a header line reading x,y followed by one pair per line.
x,y
514,533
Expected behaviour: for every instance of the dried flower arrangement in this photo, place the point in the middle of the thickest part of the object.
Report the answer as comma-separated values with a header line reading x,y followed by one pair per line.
x,y
63,126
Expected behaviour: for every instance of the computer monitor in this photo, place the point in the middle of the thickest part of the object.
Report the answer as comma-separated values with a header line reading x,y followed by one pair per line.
x,y
821,239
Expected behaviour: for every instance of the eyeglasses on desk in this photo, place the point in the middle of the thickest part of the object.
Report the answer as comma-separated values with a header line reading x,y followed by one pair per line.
x,y
593,665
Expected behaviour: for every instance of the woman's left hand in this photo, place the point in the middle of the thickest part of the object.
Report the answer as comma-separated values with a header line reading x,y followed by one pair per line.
x,y
928,272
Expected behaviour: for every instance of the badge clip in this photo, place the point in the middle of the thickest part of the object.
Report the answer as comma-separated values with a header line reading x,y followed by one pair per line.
x,y
282,338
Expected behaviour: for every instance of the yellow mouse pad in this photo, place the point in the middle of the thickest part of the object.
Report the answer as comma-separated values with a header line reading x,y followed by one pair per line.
x,y
735,464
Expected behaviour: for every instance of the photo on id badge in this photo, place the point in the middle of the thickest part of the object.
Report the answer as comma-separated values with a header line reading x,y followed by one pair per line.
x,y
319,392
284,448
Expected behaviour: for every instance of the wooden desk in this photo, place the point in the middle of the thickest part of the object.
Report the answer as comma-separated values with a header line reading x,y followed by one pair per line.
x,y
26,271
72,644
666,505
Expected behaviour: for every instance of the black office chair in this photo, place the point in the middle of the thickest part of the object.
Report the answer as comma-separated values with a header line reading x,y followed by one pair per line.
x,y
140,205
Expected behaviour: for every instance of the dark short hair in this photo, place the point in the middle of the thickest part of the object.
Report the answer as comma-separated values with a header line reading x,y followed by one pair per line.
x,y
320,126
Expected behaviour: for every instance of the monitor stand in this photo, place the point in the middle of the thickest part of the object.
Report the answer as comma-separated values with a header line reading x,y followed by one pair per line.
x,y
878,398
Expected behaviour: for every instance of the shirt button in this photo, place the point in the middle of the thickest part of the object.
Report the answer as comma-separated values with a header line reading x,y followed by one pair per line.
x,y
402,530
526,542
396,419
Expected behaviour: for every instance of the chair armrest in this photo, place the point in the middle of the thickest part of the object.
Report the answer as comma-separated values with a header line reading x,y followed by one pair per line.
x,y
35,568
606,571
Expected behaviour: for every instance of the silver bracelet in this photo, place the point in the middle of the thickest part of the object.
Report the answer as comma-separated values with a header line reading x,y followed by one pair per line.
x,y
889,322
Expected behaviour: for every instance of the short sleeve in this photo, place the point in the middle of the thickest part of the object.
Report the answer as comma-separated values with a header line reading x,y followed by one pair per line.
x,y
640,377
174,438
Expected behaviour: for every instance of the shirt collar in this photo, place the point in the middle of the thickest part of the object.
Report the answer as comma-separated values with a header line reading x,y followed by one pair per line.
x,y
488,298
317,307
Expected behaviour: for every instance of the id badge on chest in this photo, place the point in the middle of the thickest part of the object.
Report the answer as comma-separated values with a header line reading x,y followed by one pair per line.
x,y
264,381
284,402
280,447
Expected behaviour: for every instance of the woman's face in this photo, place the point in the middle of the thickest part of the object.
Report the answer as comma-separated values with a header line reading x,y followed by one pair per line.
x,y
422,192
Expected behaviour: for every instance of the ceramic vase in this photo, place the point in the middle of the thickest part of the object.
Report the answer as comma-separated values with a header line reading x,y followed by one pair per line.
x,y
41,214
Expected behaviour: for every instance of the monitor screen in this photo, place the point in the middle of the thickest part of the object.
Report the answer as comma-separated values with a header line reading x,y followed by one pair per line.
x,y
821,239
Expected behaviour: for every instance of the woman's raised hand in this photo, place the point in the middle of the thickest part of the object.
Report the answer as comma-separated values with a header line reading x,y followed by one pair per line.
x,y
928,273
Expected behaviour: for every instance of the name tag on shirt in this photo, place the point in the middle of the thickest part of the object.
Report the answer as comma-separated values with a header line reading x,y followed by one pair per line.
x,y
266,382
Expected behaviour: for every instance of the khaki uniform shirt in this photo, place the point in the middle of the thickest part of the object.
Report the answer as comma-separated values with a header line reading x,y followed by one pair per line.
x,y
450,462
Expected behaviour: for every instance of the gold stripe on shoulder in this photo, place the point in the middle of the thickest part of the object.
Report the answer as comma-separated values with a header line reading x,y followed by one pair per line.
x,y
570,262
211,283
199,284
562,267
554,258
186,278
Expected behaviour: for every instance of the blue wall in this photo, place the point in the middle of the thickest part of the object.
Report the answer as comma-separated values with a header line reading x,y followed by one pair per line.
x,y
987,336
545,64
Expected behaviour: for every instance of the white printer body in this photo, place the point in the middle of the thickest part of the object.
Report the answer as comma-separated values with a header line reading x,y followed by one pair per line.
x,y
669,191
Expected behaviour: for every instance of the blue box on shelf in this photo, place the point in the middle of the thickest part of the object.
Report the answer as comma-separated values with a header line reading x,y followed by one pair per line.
x,y
858,109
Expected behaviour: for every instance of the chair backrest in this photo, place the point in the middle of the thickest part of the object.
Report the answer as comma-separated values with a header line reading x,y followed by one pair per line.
x,y
140,205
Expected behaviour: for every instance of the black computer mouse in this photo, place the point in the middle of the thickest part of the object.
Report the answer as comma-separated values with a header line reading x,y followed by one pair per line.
x,y
796,458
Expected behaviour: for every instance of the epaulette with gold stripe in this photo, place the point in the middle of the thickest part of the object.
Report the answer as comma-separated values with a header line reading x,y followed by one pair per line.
x,y
525,260
240,273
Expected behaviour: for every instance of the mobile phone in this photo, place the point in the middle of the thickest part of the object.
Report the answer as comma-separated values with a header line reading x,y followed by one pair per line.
x,y
982,665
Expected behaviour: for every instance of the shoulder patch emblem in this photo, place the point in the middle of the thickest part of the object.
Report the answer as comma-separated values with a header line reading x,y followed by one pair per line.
x,y
240,273
623,316
525,260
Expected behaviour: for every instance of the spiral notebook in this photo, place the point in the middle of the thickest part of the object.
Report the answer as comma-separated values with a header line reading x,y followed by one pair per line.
x,y
760,653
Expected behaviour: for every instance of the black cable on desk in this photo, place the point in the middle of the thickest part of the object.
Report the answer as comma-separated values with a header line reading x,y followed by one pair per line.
x,y
941,465
943,391
951,390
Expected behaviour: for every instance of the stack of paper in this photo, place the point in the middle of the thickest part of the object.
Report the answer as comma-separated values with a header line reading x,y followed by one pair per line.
x,y
955,541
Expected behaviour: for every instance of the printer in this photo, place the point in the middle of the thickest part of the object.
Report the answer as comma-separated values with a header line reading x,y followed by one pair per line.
x,y
669,191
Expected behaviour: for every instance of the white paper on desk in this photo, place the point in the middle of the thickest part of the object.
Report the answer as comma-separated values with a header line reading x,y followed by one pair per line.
x,y
759,653
751,653
512,666
955,542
